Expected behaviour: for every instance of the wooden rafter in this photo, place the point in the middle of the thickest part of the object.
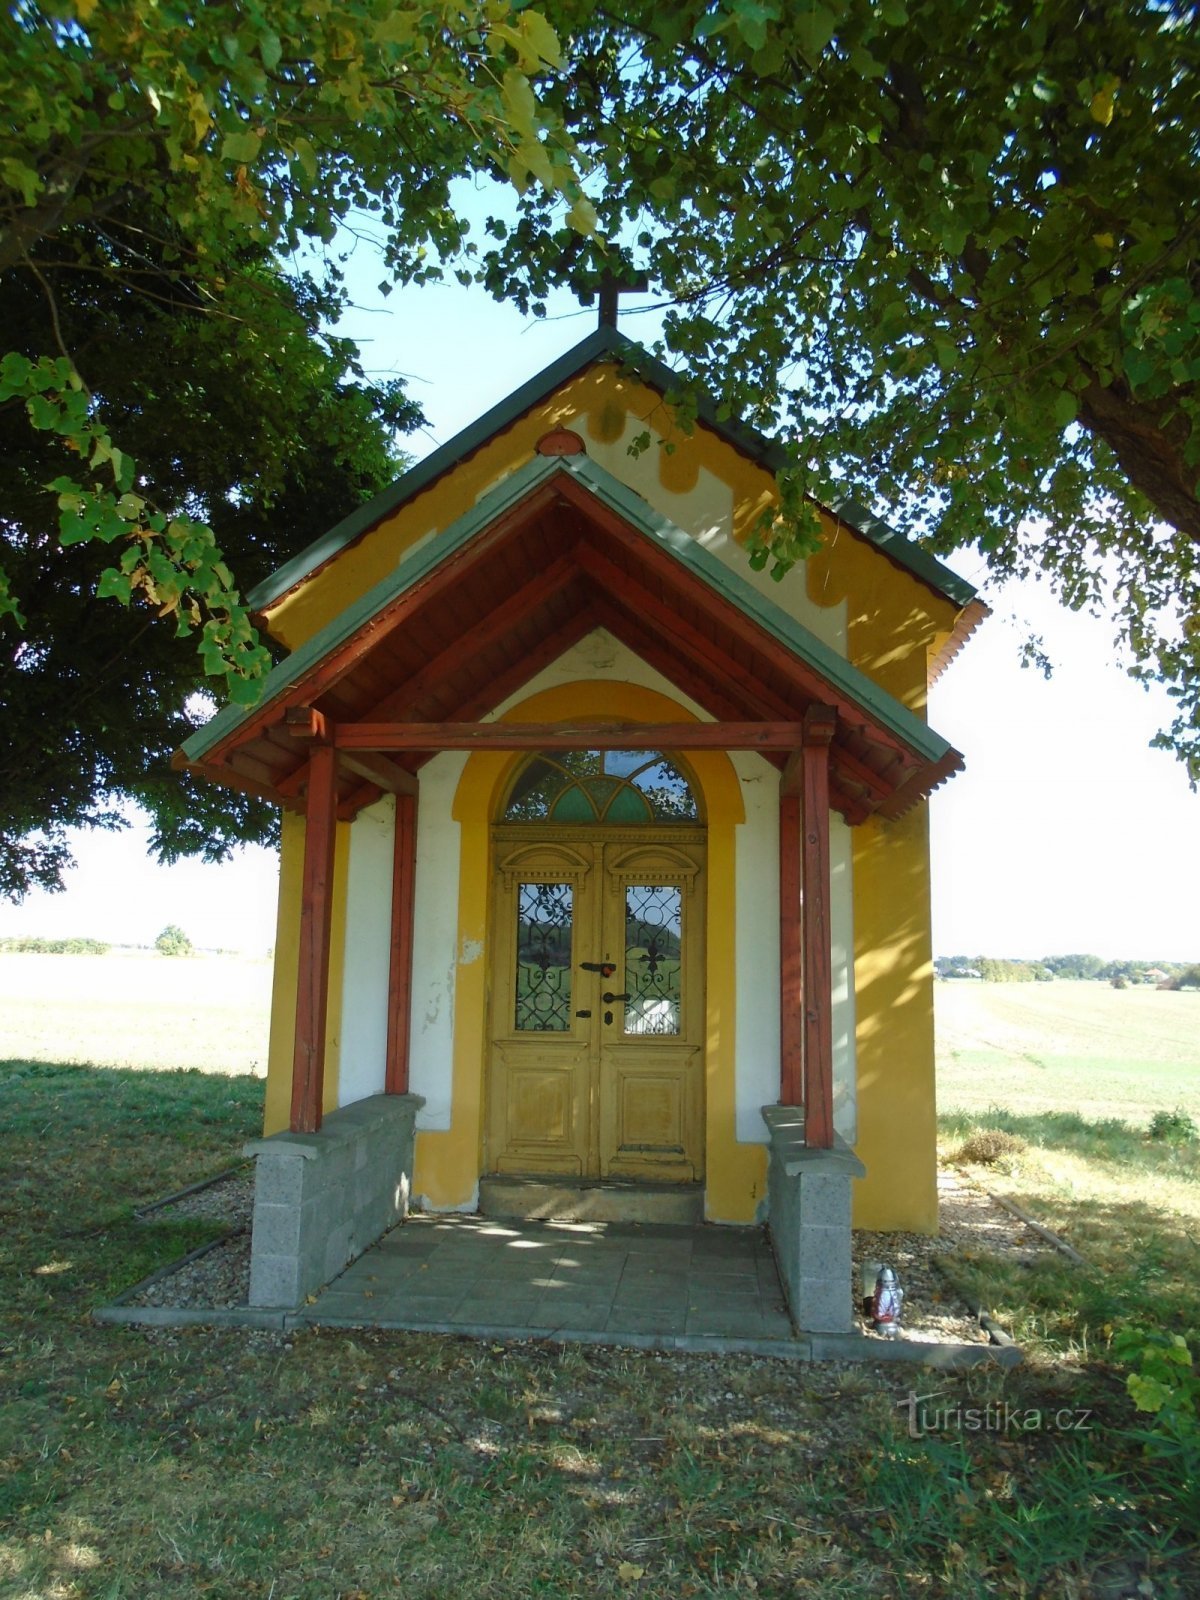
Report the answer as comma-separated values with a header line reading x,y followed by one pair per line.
x,y
491,631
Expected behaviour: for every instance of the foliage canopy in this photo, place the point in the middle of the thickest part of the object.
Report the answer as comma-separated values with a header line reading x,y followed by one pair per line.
x,y
950,251
197,132
189,411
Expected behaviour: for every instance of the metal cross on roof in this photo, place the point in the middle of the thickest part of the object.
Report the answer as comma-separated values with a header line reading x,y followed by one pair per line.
x,y
612,286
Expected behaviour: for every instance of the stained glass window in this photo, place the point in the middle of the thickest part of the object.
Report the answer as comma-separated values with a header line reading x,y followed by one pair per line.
x,y
543,998
653,932
601,786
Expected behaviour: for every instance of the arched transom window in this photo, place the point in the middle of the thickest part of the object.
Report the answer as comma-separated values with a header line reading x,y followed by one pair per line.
x,y
622,787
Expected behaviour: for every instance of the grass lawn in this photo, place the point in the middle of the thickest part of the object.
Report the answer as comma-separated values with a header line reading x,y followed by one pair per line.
x,y
335,1466
207,1012
1062,1046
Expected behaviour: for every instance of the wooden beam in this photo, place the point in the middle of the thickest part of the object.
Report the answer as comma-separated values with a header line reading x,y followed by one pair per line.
x,y
230,778
560,736
358,800
304,722
720,614
316,913
404,870
377,769
656,622
815,930
817,719
851,766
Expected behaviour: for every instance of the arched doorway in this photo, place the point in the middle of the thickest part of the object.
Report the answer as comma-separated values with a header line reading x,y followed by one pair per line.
x,y
597,1015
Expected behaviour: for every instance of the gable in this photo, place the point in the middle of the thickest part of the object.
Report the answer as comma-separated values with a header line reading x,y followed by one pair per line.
x,y
870,595
555,550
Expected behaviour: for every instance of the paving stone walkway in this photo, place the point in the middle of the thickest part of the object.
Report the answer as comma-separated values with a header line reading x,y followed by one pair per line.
x,y
470,1274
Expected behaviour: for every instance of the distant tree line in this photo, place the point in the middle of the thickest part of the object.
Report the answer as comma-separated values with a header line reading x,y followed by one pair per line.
x,y
995,969
55,947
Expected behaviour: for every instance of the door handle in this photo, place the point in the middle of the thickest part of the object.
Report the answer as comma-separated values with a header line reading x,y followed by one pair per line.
x,y
608,997
604,968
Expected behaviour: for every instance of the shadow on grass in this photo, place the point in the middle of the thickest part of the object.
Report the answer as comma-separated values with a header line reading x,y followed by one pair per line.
x,y
84,1148
1140,1266
1108,1139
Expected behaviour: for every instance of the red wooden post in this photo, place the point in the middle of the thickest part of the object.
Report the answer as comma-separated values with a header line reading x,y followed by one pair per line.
x,y
819,724
791,972
404,871
316,913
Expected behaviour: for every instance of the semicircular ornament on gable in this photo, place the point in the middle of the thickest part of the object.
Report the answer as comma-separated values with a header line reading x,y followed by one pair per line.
x,y
610,787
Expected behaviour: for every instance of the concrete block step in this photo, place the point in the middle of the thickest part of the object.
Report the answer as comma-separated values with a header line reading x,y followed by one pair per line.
x,y
585,1200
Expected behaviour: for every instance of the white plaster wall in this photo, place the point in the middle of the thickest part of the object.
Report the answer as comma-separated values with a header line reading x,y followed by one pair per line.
x,y
435,919
757,1027
362,1056
756,1033
600,655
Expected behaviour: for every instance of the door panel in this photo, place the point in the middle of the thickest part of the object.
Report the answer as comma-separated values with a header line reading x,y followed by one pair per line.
x,y
540,1099
650,1113
597,1061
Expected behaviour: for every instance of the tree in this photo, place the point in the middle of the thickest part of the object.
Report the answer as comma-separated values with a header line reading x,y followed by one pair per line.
x,y
193,133
268,443
950,251
154,160
172,941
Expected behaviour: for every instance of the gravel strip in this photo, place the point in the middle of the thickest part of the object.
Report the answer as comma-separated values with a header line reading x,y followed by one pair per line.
x,y
970,1220
219,1279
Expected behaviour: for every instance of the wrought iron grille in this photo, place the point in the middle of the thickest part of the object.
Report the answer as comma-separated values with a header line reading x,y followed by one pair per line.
x,y
653,950
543,998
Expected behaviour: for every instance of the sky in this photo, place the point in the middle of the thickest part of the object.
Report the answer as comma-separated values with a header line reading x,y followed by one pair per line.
x,y
1066,833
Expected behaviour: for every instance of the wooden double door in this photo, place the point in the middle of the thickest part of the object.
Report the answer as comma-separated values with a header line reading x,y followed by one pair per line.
x,y
597,1012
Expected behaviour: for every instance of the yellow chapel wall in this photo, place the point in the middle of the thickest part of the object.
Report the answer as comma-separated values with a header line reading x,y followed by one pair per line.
x,y
449,1160
875,614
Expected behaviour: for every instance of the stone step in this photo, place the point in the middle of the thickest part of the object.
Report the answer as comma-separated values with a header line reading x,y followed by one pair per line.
x,y
587,1200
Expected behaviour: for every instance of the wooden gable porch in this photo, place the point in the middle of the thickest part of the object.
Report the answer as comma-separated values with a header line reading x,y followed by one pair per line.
x,y
553,552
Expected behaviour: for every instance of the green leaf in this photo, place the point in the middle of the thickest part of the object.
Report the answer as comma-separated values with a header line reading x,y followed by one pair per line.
x,y
240,147
520,103
115,585
541,38
19,175
14,374
43,413
8,602
814,27
582,216
1066,408
750,18
271,50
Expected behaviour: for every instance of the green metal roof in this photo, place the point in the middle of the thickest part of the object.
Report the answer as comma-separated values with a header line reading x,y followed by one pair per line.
x,y
604,344
839,673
